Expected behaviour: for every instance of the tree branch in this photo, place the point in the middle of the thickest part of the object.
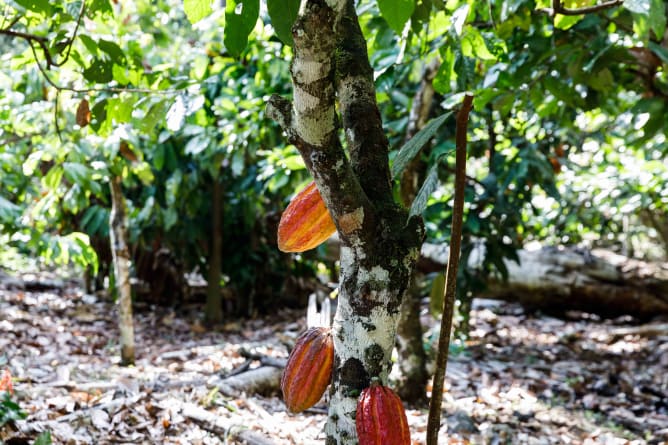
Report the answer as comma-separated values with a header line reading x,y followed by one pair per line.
x,y
434,419
559,8
363,128
310,122
31,38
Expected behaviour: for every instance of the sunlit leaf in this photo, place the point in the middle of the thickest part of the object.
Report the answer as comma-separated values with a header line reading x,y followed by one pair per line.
x,y
240,19
283,14
396,13
196,10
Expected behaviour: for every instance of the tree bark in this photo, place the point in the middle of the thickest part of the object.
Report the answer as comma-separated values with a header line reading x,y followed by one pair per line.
x,y
379,243
560,279
118,235
213,311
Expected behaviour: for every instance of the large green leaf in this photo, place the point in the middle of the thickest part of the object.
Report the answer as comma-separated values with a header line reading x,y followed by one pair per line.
x,y
196,10
396,12
415,144
283,14
240,19
428,187
39,6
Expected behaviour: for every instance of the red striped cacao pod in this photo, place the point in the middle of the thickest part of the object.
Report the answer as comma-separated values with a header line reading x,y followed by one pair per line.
x,y
309,369
305,223
380,418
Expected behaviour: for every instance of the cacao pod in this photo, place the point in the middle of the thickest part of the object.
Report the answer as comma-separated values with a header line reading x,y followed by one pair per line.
x,y
309,369
305,223
380,418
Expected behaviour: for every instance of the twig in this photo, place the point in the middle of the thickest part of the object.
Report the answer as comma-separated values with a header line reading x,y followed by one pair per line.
x,y
559,8
55,116
30,38
70,42
434,419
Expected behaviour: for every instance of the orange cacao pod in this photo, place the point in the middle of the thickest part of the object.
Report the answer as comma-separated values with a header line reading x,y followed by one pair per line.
x,y
305,223
380,418
309,369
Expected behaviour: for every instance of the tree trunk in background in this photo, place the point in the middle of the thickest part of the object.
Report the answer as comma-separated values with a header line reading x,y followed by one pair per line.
x,y
213,312
559,279
118,235
413,378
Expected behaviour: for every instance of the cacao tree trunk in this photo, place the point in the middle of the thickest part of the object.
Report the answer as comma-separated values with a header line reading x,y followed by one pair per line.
x,y
559,279
213,311
379,243
118,236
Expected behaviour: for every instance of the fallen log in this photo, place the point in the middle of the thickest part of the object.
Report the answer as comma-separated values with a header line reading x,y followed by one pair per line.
x,y
560,279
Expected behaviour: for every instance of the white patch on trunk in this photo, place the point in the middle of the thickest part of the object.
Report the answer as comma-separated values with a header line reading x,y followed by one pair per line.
x,y
314,127
336,5
308,71
377,328
304,101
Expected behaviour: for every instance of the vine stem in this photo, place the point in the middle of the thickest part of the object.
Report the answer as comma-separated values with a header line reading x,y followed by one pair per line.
x,y
434,419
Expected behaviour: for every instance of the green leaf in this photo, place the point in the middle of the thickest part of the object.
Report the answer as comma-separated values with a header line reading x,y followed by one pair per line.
x,y
437,294
176,115
638,6
396,13
53,177
102,6
89,43
44,437
240,19
446,72
197,144
657,17
473,45
196,10
114,51
154,115
8,210
39,6
415,144
660,51
143,172
120,109
566,21
77,173
283,14
602,80
100,71
428,187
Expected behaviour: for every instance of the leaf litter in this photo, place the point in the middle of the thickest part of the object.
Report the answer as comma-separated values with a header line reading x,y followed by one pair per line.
x,y
520,378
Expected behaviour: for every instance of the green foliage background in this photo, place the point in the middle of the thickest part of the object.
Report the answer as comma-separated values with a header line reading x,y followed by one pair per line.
x,y
568,135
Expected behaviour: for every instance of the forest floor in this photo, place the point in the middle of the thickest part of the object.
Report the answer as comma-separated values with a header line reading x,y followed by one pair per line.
x,y
521,378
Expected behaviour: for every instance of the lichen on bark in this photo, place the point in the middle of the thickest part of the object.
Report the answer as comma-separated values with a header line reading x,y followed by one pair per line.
x,y
379,242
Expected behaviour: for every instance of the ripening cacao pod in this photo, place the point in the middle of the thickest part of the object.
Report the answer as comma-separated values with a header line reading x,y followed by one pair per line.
x,y
305,223
380,418
309,369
